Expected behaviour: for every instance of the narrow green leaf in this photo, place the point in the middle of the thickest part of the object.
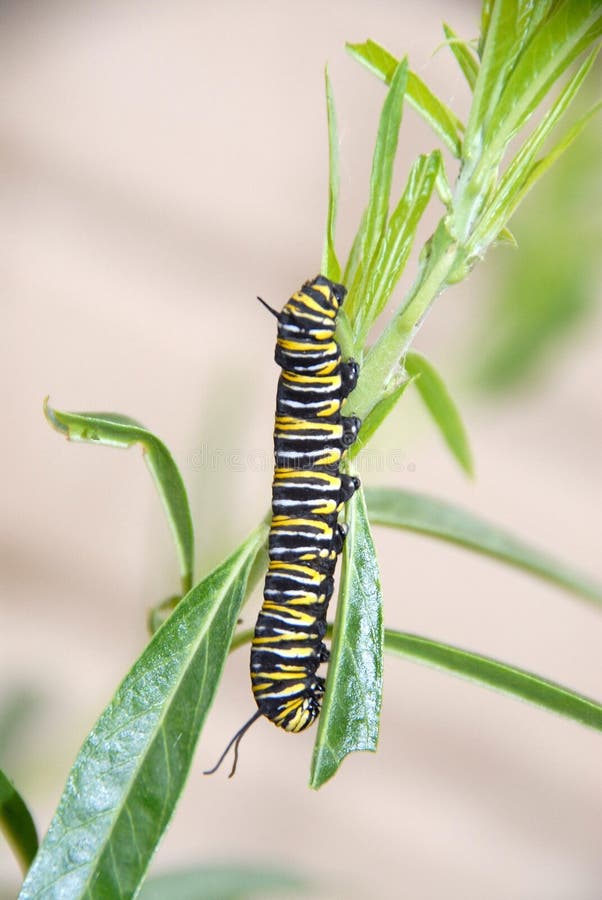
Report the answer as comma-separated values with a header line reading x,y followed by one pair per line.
x,y
486,10
572,28
505,236
543,296
441,119
353,267
374,58
517,179
382,365
377,415
443,187
128,776
115,430
388,264
233,882
442,408
498,56
507,28
531,15
542,165
351,709
535,10
498,675
528,47
385,151
344,335
464,56
330,264
17,823
484,670
437,518
377,213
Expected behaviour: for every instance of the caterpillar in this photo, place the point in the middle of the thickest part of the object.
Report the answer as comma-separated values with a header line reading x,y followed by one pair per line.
x,y
308,492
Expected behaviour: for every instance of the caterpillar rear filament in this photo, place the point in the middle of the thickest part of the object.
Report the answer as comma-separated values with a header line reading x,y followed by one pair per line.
x,y
308,492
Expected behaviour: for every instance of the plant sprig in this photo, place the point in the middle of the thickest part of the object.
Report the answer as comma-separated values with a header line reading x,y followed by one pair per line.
x,y
102,837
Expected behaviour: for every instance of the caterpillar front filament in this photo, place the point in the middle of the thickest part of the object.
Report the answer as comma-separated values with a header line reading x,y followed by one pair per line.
x,y
308,492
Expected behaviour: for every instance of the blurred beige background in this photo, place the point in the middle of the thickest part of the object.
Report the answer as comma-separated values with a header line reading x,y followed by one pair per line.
x,y
161,164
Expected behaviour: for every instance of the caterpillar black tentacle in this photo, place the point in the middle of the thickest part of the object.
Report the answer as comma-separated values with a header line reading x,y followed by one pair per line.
x,y
235,741
308,492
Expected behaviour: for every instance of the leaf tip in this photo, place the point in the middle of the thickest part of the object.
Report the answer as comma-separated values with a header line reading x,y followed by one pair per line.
x,y
352,48
506,238
52,417
469,468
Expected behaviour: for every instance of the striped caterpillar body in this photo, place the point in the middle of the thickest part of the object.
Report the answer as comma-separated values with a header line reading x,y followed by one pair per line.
x,y
308,492
310,437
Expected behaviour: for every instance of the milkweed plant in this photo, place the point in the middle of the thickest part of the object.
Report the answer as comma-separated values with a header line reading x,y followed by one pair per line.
x,y
524,71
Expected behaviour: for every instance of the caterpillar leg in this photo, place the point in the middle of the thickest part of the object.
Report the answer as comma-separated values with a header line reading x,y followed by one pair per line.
x,y
318,687
349,485
340,534
351,427
349,375
324,654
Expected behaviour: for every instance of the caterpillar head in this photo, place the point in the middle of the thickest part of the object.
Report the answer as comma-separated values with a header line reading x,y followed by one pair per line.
x,y
311,310
335,293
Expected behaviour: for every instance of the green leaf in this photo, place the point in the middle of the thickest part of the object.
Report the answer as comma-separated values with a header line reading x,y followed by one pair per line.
x,y
528,48
486,10
380,189
351,708
427,515
385,151
128,776
388,264
354,262
523,172
330,264
115,430
464,56
509,32
382,364
17,823
487,671
377,415
544,294
234,882
441,119
443,187
374,58
505,236
498,56
344,335
501,676
542,165
442,408
571,28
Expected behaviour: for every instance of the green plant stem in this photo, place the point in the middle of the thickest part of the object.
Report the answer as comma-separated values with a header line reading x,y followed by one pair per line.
x,y
383,367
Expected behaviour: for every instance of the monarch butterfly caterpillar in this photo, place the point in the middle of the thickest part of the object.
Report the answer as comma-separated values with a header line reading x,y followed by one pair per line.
x,y
308,492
